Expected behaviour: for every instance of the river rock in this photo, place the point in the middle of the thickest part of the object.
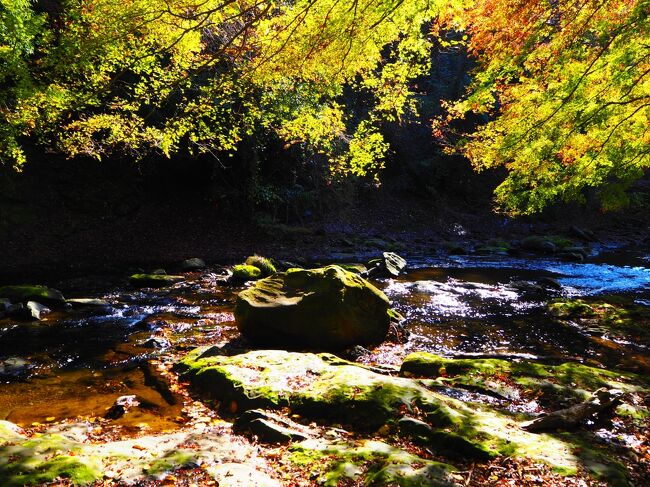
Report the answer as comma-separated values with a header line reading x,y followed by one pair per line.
x,y
268,427
156,342
264,264
41,294
14,366
17,310
81,302
154,280
121,406
549,282
390,264
193,264
538,244
37,310
245,272
324,386
582,233
327,308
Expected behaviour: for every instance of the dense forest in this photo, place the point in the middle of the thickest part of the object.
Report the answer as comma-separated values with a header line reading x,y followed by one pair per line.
x,y
324,242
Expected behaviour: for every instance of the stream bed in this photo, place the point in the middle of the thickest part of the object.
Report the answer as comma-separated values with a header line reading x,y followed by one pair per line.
x,y
73,364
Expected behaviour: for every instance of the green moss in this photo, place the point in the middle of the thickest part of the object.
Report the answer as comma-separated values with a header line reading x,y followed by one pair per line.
x,y
356,268
18,470
565,377
265,266
367,462
246,272
611,315
633,411
171,461
24,293
154,280
9,432
324,309
598,461
325,386
430,365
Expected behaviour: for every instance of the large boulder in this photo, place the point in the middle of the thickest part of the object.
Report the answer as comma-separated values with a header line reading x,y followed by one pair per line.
x,y
327,309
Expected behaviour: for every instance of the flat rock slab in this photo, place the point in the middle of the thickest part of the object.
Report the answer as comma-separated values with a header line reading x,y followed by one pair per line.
x,y
44,458
323,386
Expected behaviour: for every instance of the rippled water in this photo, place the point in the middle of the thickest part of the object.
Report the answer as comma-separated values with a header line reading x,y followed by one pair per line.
x,y
80,360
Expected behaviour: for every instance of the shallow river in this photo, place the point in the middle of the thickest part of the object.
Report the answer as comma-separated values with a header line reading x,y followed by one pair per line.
x,y
80,360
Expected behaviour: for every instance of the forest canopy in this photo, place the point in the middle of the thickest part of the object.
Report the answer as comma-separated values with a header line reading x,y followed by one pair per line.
x,y
563,86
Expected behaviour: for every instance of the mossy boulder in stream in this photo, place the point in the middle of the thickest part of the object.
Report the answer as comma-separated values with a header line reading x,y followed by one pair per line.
x,y
24,293
245,272
327,309
323,386
265,265
154,280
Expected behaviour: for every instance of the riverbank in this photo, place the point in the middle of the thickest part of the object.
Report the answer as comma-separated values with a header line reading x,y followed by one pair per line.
x,y
162,234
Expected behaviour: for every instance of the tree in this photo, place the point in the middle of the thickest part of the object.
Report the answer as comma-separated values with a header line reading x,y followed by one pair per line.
x,y
96,77
566,87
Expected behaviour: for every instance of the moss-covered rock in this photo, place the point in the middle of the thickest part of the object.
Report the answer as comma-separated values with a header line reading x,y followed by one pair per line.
x,y
546,243
367,463
154,280
615,316
327,309
171,461
325,386
568,380
51,456
265,265
42,459
245,272
24,293
356,268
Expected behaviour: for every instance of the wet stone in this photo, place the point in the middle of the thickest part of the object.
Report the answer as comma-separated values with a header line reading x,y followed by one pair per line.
x,y
325,309
37,310
24,293
121,407
154,280
156,342
193,264
80,302
14,366
17,310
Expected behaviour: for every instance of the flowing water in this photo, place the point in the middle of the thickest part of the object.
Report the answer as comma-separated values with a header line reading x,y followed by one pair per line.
x,y
80,360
